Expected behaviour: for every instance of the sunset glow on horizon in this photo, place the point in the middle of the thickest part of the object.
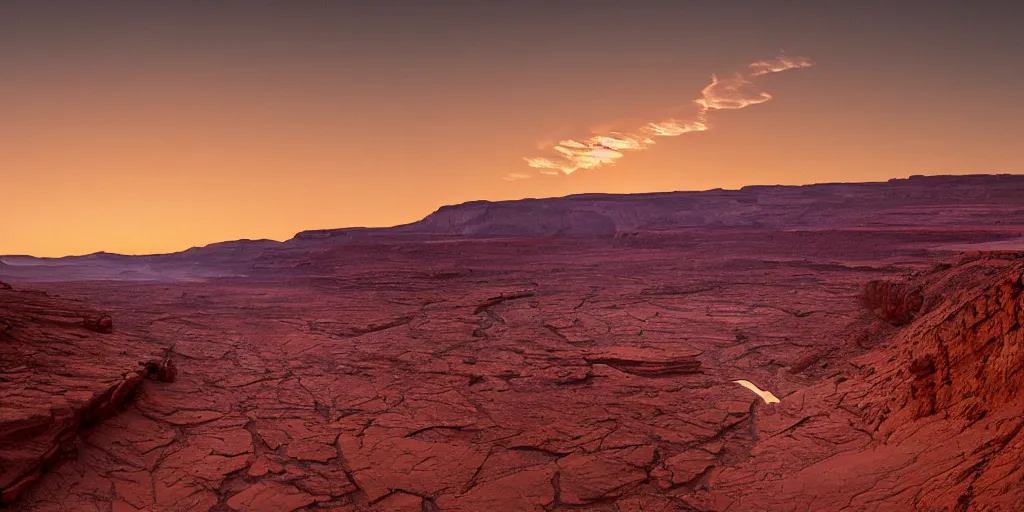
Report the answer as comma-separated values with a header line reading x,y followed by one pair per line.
x,y
150,128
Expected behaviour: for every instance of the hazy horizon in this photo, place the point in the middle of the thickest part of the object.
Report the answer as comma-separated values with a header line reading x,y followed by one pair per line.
x,y
142,129
4,257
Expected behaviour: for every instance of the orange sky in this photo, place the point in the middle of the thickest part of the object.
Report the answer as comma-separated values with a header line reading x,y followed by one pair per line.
x,y
142,130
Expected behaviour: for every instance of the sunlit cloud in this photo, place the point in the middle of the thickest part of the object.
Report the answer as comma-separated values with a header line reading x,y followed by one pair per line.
x,y
620,142
729,93
541,163
780,63
590,153
675,128
515,176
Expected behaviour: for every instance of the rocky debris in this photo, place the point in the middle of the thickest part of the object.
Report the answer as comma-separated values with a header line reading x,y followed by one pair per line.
x,y
99,323
163,370
894,302
55,381
625,238
5,286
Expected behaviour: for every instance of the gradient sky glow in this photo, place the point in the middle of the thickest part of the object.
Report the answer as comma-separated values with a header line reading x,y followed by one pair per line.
x,y
155,126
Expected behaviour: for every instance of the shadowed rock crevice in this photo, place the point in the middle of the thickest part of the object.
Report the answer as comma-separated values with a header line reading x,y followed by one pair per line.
x,y
92,381
646,363
894,302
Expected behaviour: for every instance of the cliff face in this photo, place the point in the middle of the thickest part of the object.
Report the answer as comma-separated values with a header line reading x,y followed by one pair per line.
x,y
916,201
931,420
950,384
962,359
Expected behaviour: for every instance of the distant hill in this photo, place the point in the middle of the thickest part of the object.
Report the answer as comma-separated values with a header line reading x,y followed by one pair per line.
x,y
970,203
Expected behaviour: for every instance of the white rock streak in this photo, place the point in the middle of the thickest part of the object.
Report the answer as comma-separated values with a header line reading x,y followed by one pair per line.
x,y
767,396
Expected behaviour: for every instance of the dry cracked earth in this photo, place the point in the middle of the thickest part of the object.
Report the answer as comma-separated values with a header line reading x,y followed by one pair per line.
x,y
535,373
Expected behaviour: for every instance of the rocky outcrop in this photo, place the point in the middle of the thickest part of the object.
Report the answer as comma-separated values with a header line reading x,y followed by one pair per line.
x,y
646,362
56,379
894,302
931,420
965,356
98,323
164,370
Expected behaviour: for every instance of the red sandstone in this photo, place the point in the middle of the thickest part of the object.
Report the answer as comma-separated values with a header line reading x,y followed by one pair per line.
x,y
496,357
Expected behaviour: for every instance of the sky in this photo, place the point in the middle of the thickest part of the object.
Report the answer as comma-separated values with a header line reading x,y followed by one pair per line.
x,y
151,127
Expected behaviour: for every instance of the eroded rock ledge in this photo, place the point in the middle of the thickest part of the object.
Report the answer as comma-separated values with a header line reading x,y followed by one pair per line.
x,y
931,420
62,368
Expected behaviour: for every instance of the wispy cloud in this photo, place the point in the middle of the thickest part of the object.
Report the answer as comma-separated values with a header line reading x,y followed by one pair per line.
x,y
728,93
514,176
780,63
675,128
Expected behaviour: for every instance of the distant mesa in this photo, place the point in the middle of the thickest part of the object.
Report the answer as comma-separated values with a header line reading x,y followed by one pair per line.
x,y
625,220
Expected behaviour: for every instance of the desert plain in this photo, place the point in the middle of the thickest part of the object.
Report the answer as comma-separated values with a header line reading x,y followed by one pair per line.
x,y
576,353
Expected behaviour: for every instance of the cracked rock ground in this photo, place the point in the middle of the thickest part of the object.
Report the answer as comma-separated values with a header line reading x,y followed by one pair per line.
x,y
531,374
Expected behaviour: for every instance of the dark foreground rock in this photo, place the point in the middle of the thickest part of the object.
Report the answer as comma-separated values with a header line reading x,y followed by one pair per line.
x,y
56,378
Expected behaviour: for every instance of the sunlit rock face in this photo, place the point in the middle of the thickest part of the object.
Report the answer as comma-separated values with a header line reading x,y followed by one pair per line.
x,y
437,367
929,421
962,357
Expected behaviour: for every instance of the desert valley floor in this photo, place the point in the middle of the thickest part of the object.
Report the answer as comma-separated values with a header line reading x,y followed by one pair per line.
x,y
567,354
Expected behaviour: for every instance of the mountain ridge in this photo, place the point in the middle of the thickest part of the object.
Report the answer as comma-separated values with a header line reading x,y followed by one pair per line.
x,y
410,227
967,206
